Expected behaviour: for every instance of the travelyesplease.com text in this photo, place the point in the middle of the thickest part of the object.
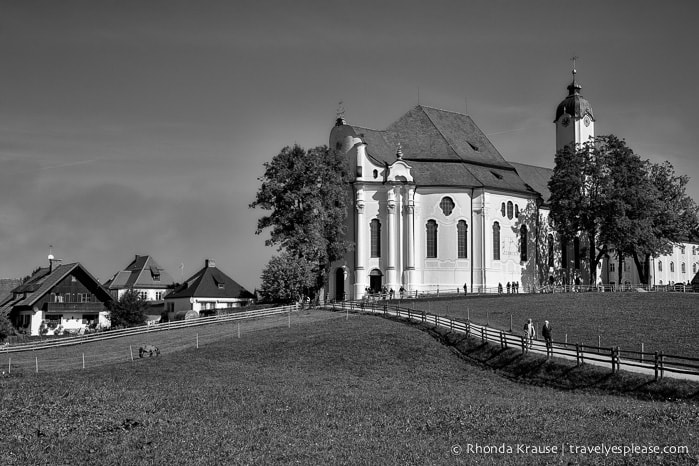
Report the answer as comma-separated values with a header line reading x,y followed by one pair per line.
x,y
568,449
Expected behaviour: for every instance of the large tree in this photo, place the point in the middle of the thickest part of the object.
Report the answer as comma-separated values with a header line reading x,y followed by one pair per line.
x,y
604,191
579,187
305,192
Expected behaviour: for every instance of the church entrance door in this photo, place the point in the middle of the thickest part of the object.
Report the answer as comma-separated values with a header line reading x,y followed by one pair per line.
x,y
375,279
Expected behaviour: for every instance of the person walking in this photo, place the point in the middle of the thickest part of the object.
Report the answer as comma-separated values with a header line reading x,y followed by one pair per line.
x,y
529,334
546,333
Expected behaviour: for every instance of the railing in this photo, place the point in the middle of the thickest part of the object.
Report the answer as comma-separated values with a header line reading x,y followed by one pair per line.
x,y
111,334
81,307
658,363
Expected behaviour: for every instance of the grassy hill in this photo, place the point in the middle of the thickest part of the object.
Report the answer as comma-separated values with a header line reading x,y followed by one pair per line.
x,y
359,391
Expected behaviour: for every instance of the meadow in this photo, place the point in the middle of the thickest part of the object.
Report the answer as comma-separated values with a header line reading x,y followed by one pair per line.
x,y
362,390
667,322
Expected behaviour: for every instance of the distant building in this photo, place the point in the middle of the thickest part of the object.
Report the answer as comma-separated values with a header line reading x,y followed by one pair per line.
x,y
55,298
143,275
206,292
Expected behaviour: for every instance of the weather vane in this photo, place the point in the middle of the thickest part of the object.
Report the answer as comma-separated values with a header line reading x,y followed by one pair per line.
x,y
573,60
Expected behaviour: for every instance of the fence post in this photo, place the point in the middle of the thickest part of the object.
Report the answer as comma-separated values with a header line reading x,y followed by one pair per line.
x,y
289,326
524,344
599,343
83,360
468,328
641,351
611,352
131,351
37,364
238,329
662,365
487,318
655,365
482,333
451,325
577,355
510,323
197,340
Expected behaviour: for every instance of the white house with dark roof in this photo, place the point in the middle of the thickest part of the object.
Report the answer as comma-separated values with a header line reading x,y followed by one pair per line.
x,y
206,292
57,297
143,275
436,206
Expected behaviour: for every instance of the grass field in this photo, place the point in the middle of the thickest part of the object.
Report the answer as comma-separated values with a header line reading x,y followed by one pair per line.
x,y
667,322
359,391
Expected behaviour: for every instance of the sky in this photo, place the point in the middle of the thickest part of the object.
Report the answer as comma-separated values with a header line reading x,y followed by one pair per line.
x,y
142,126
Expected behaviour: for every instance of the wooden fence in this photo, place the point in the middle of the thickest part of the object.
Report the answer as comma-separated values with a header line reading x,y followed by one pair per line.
x,y
656,363
161,327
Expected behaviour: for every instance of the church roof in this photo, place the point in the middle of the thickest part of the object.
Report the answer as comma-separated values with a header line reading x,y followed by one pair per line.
x,y
443,148
536,177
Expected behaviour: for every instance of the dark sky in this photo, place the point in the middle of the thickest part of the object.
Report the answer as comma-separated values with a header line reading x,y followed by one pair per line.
x,y
140,127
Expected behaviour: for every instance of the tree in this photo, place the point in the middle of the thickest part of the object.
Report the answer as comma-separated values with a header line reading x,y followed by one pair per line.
x,y
6,328
579,188
305,194
128,311
604,191
287,278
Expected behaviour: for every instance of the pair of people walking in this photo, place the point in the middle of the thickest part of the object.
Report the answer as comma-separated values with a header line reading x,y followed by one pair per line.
x,y
530,334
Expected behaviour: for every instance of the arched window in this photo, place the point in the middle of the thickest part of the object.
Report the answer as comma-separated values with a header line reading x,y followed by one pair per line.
x,y
496,241
660,266
576,252
447,205
550,241
684,268
672,266
502,209
431,239
509,210
375,227
516,211
564,253
523,243
462,239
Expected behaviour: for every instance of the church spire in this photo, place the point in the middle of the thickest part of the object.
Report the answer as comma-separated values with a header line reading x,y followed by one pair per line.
x,y
574,87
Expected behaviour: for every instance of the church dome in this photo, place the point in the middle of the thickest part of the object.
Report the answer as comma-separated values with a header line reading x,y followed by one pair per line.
x,y
575,104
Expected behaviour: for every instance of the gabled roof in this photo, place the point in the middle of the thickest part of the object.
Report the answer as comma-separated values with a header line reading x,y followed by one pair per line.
x,y
140,273
210,282
443,148
41,283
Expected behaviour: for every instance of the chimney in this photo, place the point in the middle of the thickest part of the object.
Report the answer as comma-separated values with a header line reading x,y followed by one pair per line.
x,y
210,263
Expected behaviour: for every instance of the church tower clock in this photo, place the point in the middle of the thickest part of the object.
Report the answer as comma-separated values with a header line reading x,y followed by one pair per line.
x,y
575,123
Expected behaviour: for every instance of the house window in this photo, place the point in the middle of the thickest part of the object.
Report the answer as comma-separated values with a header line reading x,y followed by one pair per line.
x,y
375,227
550,241
431,239
682,249
523,243
220,286
660,266
684,268
67,298
672,266
143,295
516,211
611,267
502,209
447,206
158,295
509,210
461,239
496,241
156,277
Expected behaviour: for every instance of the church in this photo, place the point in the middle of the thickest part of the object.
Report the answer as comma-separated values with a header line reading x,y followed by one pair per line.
x,y
436,208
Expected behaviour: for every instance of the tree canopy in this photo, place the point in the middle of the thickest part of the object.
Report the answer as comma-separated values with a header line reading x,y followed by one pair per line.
x,y
305,193
287,278
604,191
128,311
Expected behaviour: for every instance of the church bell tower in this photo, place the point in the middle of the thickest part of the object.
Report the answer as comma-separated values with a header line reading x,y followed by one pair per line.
x,y
574,121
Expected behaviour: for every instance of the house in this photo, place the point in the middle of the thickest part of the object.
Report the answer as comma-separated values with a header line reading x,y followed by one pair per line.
x,y
58,298
143,275
206,292
147,278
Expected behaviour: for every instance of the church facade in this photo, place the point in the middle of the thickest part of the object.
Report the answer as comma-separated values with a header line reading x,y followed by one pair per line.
x,y
435,206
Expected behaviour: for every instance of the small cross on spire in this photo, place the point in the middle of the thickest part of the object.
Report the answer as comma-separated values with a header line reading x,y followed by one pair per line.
x,y
574,70
340,120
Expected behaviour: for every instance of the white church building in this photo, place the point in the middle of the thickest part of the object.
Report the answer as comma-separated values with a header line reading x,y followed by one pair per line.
x,y
437,207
